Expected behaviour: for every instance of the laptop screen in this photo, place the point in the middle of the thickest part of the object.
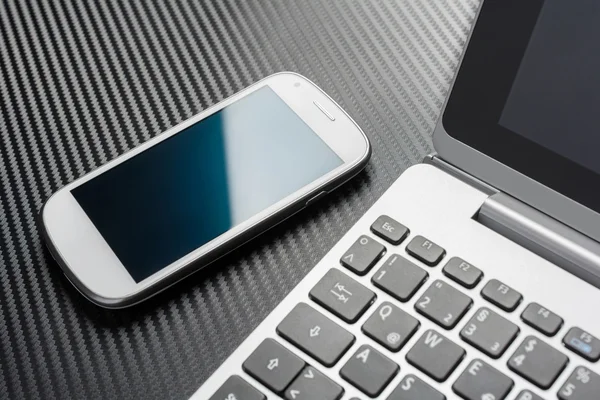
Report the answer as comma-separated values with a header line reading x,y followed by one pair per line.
x,y
528,92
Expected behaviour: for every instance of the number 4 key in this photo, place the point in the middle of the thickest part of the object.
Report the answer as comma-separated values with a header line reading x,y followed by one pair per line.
x,y
532,354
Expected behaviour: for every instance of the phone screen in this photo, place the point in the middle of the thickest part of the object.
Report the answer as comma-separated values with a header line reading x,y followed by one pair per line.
x,y
178,195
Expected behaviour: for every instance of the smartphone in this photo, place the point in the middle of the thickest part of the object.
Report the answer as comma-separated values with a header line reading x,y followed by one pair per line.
x,y
178,202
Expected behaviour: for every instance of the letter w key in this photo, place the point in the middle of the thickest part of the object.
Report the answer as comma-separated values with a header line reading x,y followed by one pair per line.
x,y
435,355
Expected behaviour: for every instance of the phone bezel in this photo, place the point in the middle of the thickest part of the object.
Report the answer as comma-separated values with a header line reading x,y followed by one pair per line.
x,y
95,270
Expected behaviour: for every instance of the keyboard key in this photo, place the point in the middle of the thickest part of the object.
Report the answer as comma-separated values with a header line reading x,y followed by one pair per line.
x,y
363,255
400,278
425,251
489,332
538,362
582,343
311,384
435,355
389,229
583,384
462,272
527,395
342,295
369,371
390,326
501,295
315,334
481,382
273,365
443,304
412,388
237,388
542,319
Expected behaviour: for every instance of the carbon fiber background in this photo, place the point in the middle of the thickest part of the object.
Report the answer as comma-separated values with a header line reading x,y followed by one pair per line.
x,y
84,81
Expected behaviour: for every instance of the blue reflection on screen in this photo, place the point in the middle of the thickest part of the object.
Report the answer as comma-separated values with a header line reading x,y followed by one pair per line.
x,y
176,196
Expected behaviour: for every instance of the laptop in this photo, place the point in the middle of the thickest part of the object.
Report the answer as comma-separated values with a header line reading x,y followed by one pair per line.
x,y
477,274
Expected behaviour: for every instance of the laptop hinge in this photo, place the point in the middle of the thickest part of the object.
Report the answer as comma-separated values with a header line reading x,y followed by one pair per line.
x,y
532,229
435,160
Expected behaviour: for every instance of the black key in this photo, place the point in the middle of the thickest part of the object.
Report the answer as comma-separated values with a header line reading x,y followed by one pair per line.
x,y
501,295
273,365
527,395
583,384
399,278
583,343
462,272
425,251
363,255
237,388
482,382
342,295
542,319
369,370
443,304
311,384
412,388
315,334
390,326
435,355
538,362
489,332
389,229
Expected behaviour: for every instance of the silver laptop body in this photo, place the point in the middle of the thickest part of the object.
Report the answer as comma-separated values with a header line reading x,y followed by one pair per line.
x,y
491,293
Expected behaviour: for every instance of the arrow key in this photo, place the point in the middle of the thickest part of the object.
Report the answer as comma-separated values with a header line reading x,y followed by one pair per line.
x,y
315,334
311,384
273,365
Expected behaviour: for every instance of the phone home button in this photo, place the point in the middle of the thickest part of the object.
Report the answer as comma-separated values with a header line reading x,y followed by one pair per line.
x,y
316,198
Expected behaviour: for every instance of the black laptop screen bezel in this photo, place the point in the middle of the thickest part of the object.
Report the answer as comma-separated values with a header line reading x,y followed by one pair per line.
x,y
488,70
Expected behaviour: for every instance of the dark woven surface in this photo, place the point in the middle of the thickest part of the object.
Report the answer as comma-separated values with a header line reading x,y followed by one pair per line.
x,y
83,81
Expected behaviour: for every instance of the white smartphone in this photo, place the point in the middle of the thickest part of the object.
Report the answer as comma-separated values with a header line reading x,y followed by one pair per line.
x,y
167,208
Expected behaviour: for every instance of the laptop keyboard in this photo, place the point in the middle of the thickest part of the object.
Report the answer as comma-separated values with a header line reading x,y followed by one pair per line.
x,y
392,324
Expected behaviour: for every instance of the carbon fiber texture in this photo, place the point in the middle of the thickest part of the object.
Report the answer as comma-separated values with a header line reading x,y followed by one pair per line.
x,y
84,81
